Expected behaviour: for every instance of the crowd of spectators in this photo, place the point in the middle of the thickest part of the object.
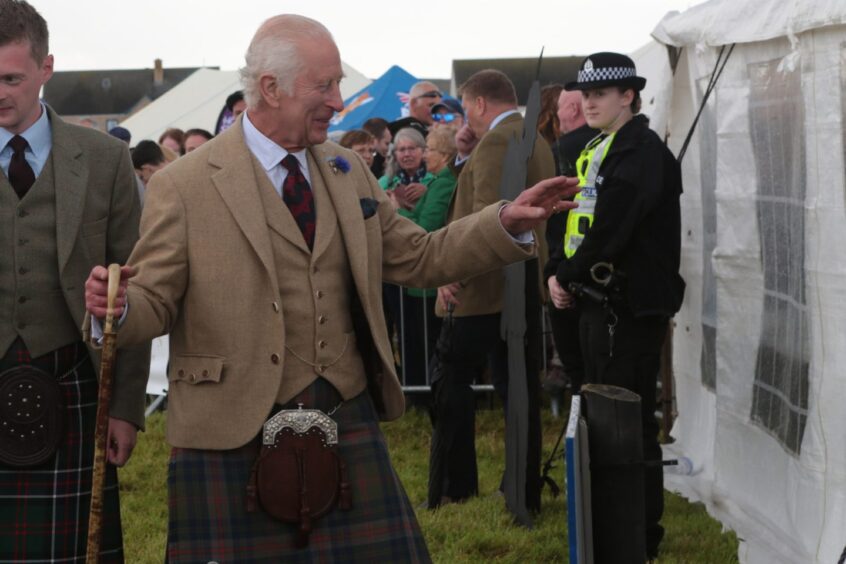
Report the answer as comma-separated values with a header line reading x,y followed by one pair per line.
x,y
150,156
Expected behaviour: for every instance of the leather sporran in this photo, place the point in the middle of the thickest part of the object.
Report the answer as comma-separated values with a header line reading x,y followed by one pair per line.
x,y
31,417
299,476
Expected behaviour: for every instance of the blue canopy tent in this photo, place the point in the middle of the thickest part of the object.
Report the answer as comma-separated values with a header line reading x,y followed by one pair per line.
x,y
386,97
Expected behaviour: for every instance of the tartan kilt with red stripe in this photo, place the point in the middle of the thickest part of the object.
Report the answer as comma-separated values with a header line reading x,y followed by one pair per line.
x,y
44,510
207,499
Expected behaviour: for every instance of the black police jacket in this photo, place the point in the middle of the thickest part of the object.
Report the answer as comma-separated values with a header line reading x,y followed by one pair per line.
x,y
636,225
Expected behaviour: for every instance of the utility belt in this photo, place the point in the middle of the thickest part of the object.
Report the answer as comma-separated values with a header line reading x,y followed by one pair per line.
x,y
298,475
608,292
607,289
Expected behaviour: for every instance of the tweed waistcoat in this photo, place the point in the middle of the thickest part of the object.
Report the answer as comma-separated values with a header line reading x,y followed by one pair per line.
x,y
32,305
315,290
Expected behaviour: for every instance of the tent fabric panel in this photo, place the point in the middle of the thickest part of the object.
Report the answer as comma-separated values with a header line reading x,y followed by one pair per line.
x,y
787,507
722,22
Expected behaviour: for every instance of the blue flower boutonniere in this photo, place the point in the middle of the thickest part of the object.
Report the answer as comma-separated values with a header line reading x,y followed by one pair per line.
x,y
339,164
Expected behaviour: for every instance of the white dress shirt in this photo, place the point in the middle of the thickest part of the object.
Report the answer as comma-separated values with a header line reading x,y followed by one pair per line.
x,y
270,155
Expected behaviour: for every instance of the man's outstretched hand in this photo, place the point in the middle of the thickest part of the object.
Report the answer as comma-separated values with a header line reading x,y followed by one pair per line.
x,y
96,291
536,204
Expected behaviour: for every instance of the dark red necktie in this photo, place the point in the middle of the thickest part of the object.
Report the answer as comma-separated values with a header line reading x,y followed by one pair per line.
x,y
21,176
297,195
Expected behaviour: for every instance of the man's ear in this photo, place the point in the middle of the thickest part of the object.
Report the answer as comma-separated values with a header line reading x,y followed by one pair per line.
x,y
270,90
47,68
481,104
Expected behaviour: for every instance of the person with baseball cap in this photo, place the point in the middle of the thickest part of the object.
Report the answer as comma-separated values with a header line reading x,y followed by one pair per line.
x,y
623,241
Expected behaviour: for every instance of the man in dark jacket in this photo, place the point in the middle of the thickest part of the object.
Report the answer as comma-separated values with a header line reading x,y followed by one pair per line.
x,y
629,218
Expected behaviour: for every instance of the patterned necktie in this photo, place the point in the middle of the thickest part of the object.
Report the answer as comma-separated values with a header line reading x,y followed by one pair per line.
x,y
21,176
297,195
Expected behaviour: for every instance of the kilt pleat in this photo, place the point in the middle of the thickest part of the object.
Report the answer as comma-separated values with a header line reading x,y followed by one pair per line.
x,y
207,499
44,510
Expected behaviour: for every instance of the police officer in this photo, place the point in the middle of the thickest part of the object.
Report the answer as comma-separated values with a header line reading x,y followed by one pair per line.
x,y
628,221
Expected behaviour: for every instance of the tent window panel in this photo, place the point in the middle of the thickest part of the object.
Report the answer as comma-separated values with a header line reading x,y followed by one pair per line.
x,y
777,125
708,178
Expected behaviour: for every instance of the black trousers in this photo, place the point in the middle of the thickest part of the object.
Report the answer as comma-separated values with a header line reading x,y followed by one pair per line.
x,y
475,341
632,363
452,460
565,334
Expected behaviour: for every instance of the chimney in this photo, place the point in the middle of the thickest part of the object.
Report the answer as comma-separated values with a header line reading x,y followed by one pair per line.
x,y
158,72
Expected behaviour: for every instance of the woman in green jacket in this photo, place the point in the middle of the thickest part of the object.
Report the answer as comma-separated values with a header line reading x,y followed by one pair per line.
x,y
419,327
430,213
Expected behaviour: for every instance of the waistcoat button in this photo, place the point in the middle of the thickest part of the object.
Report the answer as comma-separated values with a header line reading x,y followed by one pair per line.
x,y
274,358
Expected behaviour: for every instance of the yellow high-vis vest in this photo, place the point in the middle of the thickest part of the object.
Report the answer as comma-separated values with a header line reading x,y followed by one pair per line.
x,y
580,219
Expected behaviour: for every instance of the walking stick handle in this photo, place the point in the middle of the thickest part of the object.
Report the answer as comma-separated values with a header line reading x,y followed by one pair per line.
x,y
111,296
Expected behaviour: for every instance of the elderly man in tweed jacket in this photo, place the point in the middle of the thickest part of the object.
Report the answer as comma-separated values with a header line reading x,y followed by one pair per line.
x,y
262,253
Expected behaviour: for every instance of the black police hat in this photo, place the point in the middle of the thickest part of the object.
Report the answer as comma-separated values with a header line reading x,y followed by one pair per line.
x,y
607,69
408,121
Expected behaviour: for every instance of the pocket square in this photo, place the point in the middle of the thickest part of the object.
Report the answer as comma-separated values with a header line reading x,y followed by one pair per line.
x,y
368,207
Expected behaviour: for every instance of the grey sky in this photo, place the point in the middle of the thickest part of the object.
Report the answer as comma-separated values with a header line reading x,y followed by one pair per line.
x,y
372,35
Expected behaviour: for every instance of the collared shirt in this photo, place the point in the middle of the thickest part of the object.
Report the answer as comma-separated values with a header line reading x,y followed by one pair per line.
x,y
40,138
496,121
270,155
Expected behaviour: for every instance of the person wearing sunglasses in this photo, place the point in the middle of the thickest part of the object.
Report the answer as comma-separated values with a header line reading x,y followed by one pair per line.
x,y
448,112
422,97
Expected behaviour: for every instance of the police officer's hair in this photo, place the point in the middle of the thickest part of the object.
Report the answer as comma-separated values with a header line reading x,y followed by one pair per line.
x,y
21,22
490,84
636,101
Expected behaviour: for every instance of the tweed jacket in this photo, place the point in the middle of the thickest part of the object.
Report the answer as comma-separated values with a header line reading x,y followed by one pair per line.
x,y
478,186
97,214
207,275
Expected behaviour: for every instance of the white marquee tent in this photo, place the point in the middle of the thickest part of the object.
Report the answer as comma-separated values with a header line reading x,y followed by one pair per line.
x,y
197,101
760,343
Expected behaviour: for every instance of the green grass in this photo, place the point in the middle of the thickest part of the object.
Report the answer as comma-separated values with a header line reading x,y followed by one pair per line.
x,y
479,530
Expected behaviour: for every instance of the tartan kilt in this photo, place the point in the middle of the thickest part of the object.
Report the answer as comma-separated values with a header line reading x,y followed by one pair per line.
x,y
207,499
44,510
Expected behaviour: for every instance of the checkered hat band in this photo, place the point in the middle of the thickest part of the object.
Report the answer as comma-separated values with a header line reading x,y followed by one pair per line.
x,y
606,73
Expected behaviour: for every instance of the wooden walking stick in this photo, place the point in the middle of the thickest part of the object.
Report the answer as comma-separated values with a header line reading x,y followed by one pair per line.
x,y
101,431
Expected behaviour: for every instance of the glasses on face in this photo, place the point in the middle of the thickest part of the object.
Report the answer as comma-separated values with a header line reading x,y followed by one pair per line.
x,y
430,94
403,150
444,118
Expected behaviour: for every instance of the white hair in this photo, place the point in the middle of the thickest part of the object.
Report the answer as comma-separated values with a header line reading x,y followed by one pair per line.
x,y
392,167
275,50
